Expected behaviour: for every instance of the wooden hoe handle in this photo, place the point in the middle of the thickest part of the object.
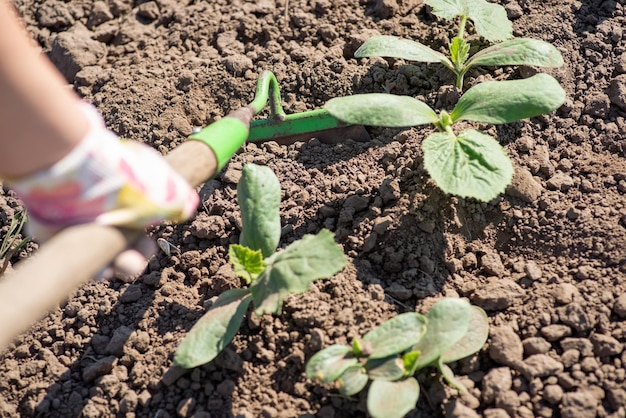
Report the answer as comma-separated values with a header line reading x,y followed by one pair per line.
x,y
76,254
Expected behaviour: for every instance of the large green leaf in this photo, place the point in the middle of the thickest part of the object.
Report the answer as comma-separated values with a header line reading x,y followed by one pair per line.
x,y
392,399
352,380
328,365
519,51
214,330
490,20
508,101
247,263
380,109
471,164
448,321
473,340
388,368
392,46
292,270
395,335
258,194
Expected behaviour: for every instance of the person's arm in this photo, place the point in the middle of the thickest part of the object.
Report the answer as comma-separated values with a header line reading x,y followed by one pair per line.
x,y
40,118
63,163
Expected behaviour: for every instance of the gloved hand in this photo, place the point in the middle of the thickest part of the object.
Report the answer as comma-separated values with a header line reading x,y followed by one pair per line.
x,y
107,181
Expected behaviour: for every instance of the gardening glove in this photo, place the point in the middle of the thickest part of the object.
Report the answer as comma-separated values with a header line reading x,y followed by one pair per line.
x,y
110,182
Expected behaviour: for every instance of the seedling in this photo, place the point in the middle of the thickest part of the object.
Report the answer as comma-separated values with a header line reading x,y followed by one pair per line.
x,y
472,163
271,276
10,244
391,354
490,21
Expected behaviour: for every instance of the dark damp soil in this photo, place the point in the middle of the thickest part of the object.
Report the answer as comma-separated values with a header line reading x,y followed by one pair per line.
x,y
546,260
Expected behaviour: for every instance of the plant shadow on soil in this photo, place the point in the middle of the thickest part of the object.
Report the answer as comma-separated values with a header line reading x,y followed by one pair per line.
x,y
592,13
122,332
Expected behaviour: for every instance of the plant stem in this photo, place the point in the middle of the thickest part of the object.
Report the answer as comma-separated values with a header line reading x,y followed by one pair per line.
x,y
459,80
462,26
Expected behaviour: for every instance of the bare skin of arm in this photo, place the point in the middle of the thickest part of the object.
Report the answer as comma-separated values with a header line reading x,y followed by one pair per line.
x,y
40,118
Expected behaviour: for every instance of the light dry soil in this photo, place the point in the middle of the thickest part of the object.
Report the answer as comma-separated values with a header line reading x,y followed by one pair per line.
x,y
546,259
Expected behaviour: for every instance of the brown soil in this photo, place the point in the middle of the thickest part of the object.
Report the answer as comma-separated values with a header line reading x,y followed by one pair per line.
x,y
547,260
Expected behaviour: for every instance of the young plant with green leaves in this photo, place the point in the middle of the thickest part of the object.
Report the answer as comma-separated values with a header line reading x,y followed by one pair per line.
x,y
271,276
490,21
11,243
470,163
392,353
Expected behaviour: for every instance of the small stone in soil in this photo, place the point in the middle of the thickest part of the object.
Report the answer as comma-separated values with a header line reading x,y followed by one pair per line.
x,y
492,264
119,339
552,394
99,368
542,365
173,374
455,409
536,345
397,291
576,316
494,382
620,306
506,346
583,345
497,295
555,332
564,293
495,413
524,186
579,404
605,345
532,270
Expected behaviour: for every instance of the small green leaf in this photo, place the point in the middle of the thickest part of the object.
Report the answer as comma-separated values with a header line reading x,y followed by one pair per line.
x,y
448,9
258,194
327,365
392,46
292,270
410,362
471,164
357,348
448,321
473,340
352,380
459,51
380,109
392,399
388,368
519,51
214,330
508,101
490,20
246,263
396,334
448,375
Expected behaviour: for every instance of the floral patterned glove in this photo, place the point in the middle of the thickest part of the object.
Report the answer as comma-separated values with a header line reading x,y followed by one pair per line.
x,y
107,181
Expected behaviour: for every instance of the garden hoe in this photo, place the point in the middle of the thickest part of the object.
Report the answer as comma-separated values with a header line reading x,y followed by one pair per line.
x,y
78,253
